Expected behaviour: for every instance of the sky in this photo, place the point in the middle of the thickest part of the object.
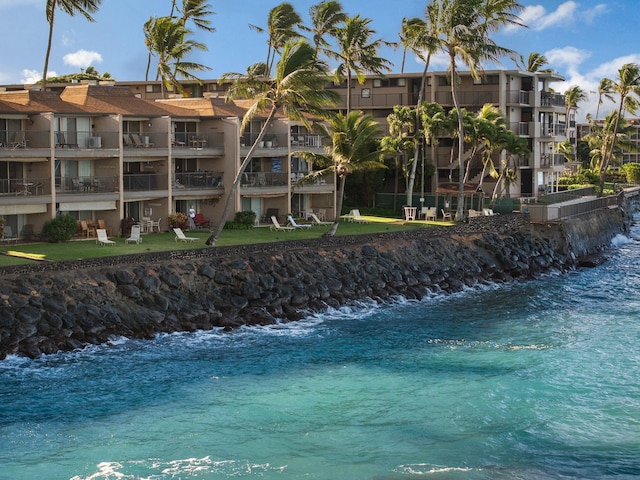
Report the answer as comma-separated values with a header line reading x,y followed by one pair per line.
x,y
584,40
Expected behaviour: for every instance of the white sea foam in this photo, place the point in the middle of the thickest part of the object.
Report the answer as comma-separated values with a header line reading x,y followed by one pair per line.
x,y
427,469
620,240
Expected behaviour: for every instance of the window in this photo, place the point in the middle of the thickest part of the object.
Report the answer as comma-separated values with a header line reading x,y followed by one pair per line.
x,y
377,82
366,93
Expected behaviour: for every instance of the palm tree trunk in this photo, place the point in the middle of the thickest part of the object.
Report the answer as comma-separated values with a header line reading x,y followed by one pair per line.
x,y
213,238
334,227
606,157
46,57
348,91
416,152
454,95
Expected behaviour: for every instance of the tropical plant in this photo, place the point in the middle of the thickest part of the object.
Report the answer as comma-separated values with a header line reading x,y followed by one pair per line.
x,y
296,89
605,89
60,229
356,53
195,11
326,17
70,7
403,137
535,62
632,171
420,37
281,28
572,97
166,39
612,137
464,32
178,220
628,90
352,147
515,147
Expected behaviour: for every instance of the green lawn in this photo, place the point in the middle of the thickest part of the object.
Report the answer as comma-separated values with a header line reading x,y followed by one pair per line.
x,y
157,242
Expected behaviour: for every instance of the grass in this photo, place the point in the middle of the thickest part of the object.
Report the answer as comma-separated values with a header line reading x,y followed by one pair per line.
x,y
156,242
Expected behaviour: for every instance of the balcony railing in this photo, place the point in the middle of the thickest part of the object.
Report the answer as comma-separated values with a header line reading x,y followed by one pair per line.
x,y
84,184
552,130
270,140
195,140
198,180
551,99
144,182
299,140
519,97
520,128
466,98
25,186
263,179
298,179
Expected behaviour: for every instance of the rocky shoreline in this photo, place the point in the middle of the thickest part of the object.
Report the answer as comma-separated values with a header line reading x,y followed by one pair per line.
x,y
53,307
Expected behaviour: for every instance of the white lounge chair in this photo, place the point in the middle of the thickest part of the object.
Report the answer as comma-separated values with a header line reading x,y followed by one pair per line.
x,y
354,216
316,221
277,227
135,235
102,238
294,224
180,236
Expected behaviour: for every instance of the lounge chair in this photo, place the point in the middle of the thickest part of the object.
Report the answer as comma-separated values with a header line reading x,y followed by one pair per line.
x,y
135,235
294,224
8,235
354,216
474,213
200,221
62,142
429,213
180,236
19,141
137,141
488,212
316,221
102,238
277,227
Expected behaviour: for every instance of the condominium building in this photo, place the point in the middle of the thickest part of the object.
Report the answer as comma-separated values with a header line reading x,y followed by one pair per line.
x,y
99,152
119,150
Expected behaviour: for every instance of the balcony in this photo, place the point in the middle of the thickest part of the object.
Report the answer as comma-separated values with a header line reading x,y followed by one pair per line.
x,y
84,184
263,179
548,99
521,129
519,97
306,140
199,180
196,141
19,187
144,182
552,130
270,140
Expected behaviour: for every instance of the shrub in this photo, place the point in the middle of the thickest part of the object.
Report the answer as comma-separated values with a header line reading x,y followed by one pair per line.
x,y
632,170
60,229
179,220
247,217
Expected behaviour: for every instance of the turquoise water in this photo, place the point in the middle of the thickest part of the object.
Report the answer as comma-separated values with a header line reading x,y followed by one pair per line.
x,y
539,380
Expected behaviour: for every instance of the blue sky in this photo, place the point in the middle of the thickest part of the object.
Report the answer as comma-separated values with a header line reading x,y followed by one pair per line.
x,y
584,40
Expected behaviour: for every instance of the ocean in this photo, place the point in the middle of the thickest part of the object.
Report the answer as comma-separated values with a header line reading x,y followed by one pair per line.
x,y
528,380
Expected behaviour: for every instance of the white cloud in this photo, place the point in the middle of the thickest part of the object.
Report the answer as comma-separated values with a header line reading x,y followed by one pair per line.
x,y
569,57
537,18
589,82
33,76
82,58
591,14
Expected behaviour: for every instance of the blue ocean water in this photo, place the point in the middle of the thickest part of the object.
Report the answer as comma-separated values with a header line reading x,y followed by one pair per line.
x,y
535,380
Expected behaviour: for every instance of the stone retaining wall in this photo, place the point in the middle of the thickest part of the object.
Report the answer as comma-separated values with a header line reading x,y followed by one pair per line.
x,y
50,307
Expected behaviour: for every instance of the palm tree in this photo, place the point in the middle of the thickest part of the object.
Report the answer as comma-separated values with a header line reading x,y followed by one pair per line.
x,y
604,90
357,53
602,140
166,39
572,97
70,7
628,89
195,11
352,147
535,62
296,89
326,17
281,28
464,32
514,147
420,37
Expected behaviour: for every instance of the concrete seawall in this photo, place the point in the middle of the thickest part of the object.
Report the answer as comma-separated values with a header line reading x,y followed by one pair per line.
x,y
47,308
